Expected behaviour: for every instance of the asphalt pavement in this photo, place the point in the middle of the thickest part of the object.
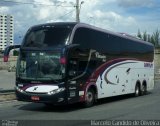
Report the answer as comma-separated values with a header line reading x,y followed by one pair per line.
x,y
117,108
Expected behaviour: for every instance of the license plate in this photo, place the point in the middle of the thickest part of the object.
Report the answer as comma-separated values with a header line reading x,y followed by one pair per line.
x,y
35,98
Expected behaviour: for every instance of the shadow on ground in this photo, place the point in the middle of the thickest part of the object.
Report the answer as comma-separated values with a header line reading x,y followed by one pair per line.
x,y
72,107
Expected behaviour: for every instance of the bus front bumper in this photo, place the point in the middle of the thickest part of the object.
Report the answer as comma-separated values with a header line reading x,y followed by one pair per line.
x,y
58,98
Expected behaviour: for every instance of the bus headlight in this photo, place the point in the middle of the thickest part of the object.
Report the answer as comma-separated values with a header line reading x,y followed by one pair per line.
x,y
18,89
56,91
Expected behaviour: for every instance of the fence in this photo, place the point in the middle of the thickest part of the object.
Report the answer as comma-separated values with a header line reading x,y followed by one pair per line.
x,y
157,63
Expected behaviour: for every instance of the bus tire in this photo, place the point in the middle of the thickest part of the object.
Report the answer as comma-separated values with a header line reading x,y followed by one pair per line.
x,y
90,98
137,90
144,89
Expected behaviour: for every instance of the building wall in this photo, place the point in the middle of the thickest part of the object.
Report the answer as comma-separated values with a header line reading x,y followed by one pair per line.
x,y
6,31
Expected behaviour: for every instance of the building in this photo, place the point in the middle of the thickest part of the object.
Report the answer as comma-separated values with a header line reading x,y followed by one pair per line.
x,y
6,31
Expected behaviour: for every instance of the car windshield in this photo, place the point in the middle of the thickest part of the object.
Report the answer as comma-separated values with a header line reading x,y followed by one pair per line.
x,y
40,66
47,37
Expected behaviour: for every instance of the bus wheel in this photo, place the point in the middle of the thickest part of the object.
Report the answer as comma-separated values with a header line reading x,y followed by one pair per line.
x,y
137,91
144,90
90,98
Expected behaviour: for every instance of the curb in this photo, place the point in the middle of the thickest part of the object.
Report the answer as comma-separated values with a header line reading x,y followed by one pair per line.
x,y
7,97
7,91
157,78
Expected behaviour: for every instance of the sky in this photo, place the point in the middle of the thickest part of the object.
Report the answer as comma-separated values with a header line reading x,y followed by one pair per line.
x,y
125,16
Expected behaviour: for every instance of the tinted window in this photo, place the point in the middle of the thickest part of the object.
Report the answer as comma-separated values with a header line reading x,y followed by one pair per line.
x,y
82,37
46,37
112,44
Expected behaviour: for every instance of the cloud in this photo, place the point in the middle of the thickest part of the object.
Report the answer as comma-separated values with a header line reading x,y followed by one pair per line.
x,y
4,10
7,3
136,3
111,20
27,15
107,14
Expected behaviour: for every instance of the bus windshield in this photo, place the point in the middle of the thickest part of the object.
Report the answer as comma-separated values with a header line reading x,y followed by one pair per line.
x,y
40,66
47,37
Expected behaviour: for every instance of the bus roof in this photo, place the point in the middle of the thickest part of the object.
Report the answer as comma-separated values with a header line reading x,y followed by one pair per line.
x,y
122,35
76,25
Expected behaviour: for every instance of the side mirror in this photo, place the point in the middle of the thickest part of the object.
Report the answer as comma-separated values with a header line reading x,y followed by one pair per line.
x,y
5,58
7,50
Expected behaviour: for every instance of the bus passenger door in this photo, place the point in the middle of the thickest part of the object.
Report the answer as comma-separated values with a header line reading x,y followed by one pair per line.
x,y
72,87
75,72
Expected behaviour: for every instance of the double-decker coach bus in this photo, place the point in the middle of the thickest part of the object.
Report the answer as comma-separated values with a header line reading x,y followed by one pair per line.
x,y
64,63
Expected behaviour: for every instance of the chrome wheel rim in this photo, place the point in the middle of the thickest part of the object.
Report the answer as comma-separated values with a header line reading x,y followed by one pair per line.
x,y
89,96
137,91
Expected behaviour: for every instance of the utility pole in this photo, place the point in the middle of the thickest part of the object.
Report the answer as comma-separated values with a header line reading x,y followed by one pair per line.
x,y
77,11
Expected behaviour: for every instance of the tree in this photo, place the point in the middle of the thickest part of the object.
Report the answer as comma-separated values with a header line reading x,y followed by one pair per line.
x,y
145,36
153,38
15,52
139,34
156,36
149,38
